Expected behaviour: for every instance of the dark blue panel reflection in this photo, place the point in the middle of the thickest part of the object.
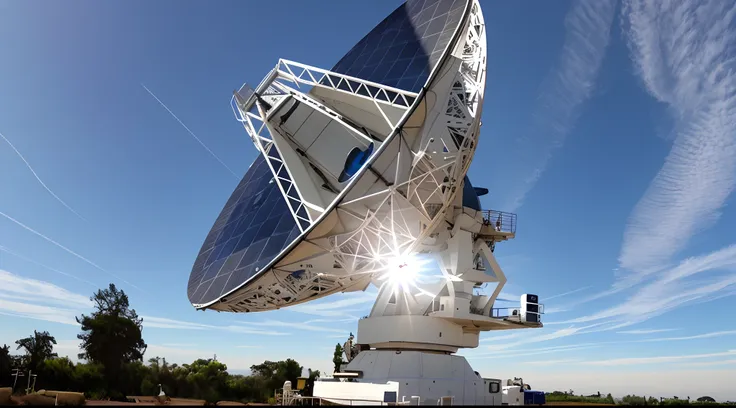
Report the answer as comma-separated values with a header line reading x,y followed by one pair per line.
x,y
403,49
470,196
253,227
354,162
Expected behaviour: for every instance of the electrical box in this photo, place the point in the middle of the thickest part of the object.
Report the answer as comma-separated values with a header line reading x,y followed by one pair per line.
x,y
530,308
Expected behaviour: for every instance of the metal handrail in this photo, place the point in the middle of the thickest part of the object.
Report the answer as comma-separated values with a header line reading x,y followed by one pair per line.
x,y
501,220
496,311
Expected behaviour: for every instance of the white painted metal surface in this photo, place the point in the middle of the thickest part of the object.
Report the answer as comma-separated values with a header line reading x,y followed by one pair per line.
x,y
354,393
428,376
412,331
400,200
406,199
512,395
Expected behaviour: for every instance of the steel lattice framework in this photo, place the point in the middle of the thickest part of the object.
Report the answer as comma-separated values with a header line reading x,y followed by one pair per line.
x,y
378,225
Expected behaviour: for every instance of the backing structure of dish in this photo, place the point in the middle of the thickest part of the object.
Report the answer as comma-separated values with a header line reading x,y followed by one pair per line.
x,y
358,166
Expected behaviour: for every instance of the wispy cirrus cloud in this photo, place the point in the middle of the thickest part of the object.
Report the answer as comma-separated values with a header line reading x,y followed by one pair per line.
x,y
166,323
503,336
27,259
331,321
495,349
568,85
294,325
565,308
549,362
552,310
15,286
507,349
67,250
508,297
683,53
539,338
645,331
28,165
499,354
249,327
657,359
25,310
249,330
693,337
39,300
710,363
671,289
346,307
35,299
643,360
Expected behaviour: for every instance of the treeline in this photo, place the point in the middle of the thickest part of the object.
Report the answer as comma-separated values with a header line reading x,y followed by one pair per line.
x,y
560,396
569,396
113,366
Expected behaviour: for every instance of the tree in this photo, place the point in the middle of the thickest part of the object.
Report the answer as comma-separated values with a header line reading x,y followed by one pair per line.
x,y
38,348
246,389
57,374
112,334
337,357
208,378
276,373
706,398
309,386
634,400
6,364
90,378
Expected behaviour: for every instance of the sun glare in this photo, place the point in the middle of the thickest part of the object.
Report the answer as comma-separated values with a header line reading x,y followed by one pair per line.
x,y
402,273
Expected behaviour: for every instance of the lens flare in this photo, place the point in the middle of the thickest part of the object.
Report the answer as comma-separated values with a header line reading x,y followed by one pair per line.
x,y
403,273
409,274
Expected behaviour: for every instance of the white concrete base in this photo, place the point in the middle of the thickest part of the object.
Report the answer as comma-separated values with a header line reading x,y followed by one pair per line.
x,y
427,375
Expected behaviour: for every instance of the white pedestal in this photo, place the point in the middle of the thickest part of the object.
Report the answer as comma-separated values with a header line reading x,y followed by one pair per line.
x,y
429,375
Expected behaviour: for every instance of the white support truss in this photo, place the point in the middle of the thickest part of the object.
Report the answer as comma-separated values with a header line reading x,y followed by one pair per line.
x,y
276,87
407,211
394,218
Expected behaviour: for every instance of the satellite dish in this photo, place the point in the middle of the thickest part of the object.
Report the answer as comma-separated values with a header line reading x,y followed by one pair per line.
x,y
362,169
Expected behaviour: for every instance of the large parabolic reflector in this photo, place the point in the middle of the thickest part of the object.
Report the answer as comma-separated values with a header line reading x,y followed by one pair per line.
x,y
269,246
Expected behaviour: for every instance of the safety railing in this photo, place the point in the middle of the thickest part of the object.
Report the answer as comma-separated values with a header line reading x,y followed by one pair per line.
x,y
501,312
476,311
500,220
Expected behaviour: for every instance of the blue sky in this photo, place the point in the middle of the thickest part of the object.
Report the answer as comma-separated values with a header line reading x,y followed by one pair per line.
x,y
609,127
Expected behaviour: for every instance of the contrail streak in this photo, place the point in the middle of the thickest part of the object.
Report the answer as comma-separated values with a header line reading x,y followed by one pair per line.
x,y
11,252
190,132
66,249
568,293
39,178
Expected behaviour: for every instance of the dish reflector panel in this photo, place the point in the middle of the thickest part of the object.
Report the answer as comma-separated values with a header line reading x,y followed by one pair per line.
x,y
253,227
265,214
402,50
